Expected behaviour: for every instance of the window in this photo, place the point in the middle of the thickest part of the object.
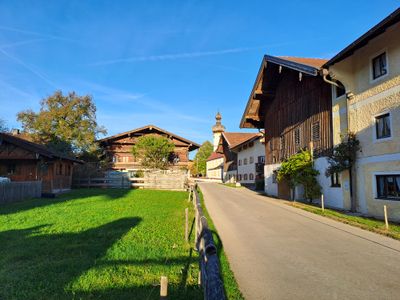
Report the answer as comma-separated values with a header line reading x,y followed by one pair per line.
x,y
240,177
261,159
245,161
245,177
244,147
114,159
68,170
315,131
11,169
251,176
382,125
297,137
251,159
335,182
240,162
379,66
59,169
388,186
251,144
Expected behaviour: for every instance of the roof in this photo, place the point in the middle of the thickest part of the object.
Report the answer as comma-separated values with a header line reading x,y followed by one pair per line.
x,y
192,145
34,147
236,138
215,155
304,65
312,62
378,29
254,138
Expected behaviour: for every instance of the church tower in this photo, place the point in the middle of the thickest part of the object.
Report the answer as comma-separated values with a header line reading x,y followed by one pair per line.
x,y
217,130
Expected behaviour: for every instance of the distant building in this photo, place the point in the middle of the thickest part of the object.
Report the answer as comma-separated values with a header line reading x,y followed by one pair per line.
x,y
118,148
250,160
23,160
222,163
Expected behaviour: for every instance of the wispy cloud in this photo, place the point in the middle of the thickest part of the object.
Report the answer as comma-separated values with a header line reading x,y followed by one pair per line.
x,y
174,56
21,43
29,32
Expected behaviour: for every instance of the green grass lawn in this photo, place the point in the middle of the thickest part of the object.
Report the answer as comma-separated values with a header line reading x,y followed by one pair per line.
x,y
231,287
97,244
370,224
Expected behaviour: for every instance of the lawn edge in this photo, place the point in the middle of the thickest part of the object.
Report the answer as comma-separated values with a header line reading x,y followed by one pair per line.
x,y
234,284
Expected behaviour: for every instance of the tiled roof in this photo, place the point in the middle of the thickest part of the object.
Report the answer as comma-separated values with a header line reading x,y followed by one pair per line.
x,y
215,155
236,138
313,62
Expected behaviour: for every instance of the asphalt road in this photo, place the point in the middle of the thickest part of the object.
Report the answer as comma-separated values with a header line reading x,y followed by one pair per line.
x,y
280,252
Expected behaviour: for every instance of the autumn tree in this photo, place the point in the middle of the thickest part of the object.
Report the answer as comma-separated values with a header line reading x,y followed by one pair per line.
x,y
66,123
200,159
153,151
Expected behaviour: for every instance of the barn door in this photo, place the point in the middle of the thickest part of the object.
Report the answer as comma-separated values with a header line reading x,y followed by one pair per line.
x,y
284,190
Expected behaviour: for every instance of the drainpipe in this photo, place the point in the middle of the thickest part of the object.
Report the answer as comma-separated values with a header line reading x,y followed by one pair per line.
x,y
349,96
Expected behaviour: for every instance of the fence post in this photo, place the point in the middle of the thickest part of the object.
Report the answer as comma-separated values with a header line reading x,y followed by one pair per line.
x,y
164,287
186,224
386,217
322,203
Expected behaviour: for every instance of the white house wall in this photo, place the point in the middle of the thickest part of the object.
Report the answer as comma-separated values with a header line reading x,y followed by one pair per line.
x,y
258,149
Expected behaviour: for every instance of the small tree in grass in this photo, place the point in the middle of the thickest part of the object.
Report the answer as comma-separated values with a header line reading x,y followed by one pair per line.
x,y
153,151
343,158
298,169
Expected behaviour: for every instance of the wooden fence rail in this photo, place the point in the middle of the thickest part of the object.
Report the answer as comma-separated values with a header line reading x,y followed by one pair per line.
x,y
210,275
17,191
158,181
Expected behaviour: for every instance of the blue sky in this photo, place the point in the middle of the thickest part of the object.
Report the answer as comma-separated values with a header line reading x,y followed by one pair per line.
x,y
168,63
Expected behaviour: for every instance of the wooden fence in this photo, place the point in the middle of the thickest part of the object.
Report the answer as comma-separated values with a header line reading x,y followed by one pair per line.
x,y
210,275
17,191
150,180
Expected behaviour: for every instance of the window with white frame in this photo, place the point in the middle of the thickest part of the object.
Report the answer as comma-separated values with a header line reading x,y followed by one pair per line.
x,y
240,162
245,161
382,126
251,176
388,187
245,177
251,159
379,66
335,181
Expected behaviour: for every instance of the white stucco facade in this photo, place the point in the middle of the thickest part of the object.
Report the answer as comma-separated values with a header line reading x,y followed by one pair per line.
x,y
248,155
215,168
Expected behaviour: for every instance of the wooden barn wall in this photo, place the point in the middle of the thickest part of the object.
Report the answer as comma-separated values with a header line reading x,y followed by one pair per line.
x,y
298,104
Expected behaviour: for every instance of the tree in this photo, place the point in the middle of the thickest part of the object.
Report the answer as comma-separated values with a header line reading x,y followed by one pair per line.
x,y
298,169
343,158
153,151
200,159
66,123
3,126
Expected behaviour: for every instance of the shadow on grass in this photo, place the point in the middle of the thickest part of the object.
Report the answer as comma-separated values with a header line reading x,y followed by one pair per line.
x,y
75,194
41,266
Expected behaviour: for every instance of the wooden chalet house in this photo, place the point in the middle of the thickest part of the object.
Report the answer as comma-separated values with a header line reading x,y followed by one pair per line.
x,y
22,160
118,148
291,101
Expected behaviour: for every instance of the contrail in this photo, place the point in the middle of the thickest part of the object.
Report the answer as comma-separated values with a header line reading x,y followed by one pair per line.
x,y
20,62
174,56
45,35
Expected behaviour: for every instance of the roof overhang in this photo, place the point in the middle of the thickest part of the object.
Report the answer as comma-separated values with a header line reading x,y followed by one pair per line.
x,y
378,29
136,132
252,116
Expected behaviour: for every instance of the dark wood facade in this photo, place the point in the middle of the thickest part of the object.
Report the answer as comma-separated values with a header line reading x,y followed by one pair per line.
x,y
118,148
300,113
292,102
22,160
